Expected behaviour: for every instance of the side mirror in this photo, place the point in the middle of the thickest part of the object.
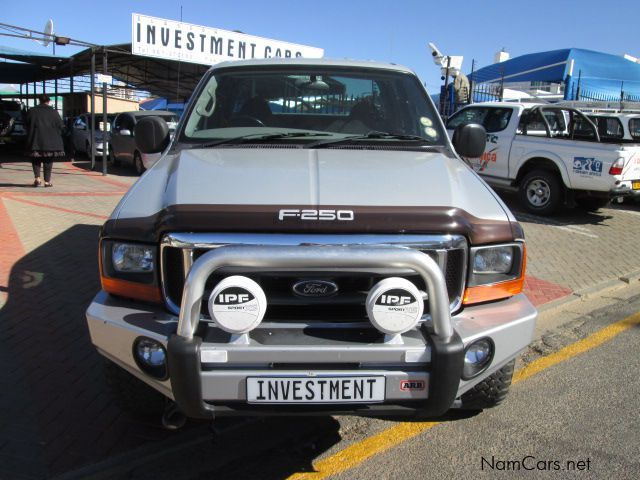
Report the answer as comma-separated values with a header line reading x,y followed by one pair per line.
x,y
469,140
152,135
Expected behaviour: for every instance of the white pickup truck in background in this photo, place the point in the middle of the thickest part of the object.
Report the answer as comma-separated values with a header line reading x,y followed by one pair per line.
x,y
551,154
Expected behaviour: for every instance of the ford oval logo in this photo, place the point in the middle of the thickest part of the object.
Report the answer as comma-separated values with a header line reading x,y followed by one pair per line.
x,y
315,288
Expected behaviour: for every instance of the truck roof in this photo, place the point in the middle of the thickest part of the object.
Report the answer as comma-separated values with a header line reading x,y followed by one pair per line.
x,y
321,62
508,104
612,114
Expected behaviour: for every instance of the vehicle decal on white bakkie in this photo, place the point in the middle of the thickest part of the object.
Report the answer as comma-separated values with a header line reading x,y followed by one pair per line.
x,y
488,157
587,166
312,214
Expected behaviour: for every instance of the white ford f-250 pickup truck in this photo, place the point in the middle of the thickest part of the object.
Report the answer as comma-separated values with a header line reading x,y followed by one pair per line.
x,y
551,154
310,243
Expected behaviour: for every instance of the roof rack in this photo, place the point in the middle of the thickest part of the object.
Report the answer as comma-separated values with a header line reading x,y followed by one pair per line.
x,y
602,106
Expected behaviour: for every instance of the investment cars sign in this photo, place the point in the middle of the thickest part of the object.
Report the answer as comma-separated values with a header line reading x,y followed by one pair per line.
x,y
162,38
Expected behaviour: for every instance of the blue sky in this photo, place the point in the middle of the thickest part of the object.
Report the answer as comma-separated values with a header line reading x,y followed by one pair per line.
x,y
391,30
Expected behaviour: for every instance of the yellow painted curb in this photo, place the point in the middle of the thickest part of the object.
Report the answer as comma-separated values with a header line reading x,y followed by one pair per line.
x,y
355,454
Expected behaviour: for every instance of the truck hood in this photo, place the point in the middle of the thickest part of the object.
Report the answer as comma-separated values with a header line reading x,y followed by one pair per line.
x,y
388,190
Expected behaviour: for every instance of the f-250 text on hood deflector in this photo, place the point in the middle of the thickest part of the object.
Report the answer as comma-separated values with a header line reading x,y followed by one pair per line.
x,y
265,219
235,190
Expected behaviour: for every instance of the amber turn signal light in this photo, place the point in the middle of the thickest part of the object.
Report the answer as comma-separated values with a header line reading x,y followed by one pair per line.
x,y
124,288
127,288
497,291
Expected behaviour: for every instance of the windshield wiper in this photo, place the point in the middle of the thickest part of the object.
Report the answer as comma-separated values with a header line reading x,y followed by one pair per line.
x,y
257,136
371,135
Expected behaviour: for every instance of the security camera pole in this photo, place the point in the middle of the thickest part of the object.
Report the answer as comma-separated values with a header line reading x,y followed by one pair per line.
x,y
439,59
443,98
449,65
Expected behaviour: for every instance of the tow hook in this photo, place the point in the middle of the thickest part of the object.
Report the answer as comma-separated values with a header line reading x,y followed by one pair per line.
x,y
173,418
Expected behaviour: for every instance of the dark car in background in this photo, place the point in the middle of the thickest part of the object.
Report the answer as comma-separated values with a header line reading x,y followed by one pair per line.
x,y
123,147
12,123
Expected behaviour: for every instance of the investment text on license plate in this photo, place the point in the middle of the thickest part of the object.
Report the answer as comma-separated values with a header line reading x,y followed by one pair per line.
x,y
315,389
635,185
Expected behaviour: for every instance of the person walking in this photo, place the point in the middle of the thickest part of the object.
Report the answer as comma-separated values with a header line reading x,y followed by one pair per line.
x,y
44,139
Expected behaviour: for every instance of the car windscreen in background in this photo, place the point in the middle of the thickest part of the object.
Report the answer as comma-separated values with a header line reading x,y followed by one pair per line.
x,y
491,118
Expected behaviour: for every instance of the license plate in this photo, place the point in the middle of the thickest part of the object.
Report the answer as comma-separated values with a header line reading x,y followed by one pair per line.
x,y
635,185
315,389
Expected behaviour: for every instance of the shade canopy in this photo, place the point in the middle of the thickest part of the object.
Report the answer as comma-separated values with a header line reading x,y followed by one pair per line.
x,y
597,71
160,77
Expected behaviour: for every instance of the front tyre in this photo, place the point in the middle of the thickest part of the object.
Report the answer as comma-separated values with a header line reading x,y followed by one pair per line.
x,y
132,394
541,192
491,392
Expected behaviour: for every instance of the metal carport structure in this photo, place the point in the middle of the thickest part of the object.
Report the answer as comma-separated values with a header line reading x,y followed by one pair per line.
x,y
160,77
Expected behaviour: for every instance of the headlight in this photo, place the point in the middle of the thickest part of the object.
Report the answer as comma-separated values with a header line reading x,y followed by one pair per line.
x,y
132,258
495,272
493,260
495,264
128,270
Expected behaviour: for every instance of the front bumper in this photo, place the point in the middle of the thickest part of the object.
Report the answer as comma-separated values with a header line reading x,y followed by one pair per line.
x,y
208,368
207,374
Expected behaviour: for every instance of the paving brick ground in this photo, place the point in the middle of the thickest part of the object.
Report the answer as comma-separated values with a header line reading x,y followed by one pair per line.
x,y
577,249
55,412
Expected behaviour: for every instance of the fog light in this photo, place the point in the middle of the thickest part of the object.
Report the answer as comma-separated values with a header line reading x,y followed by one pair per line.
x,y
394,305
151,357
237,304
477,358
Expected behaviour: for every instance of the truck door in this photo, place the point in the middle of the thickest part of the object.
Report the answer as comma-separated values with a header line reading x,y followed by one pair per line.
x,y
494,162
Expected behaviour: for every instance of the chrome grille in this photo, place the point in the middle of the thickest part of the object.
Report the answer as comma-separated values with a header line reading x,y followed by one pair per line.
x,y
179,250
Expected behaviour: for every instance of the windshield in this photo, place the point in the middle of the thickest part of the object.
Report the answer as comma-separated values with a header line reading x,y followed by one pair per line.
x,y
493,119
327,102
